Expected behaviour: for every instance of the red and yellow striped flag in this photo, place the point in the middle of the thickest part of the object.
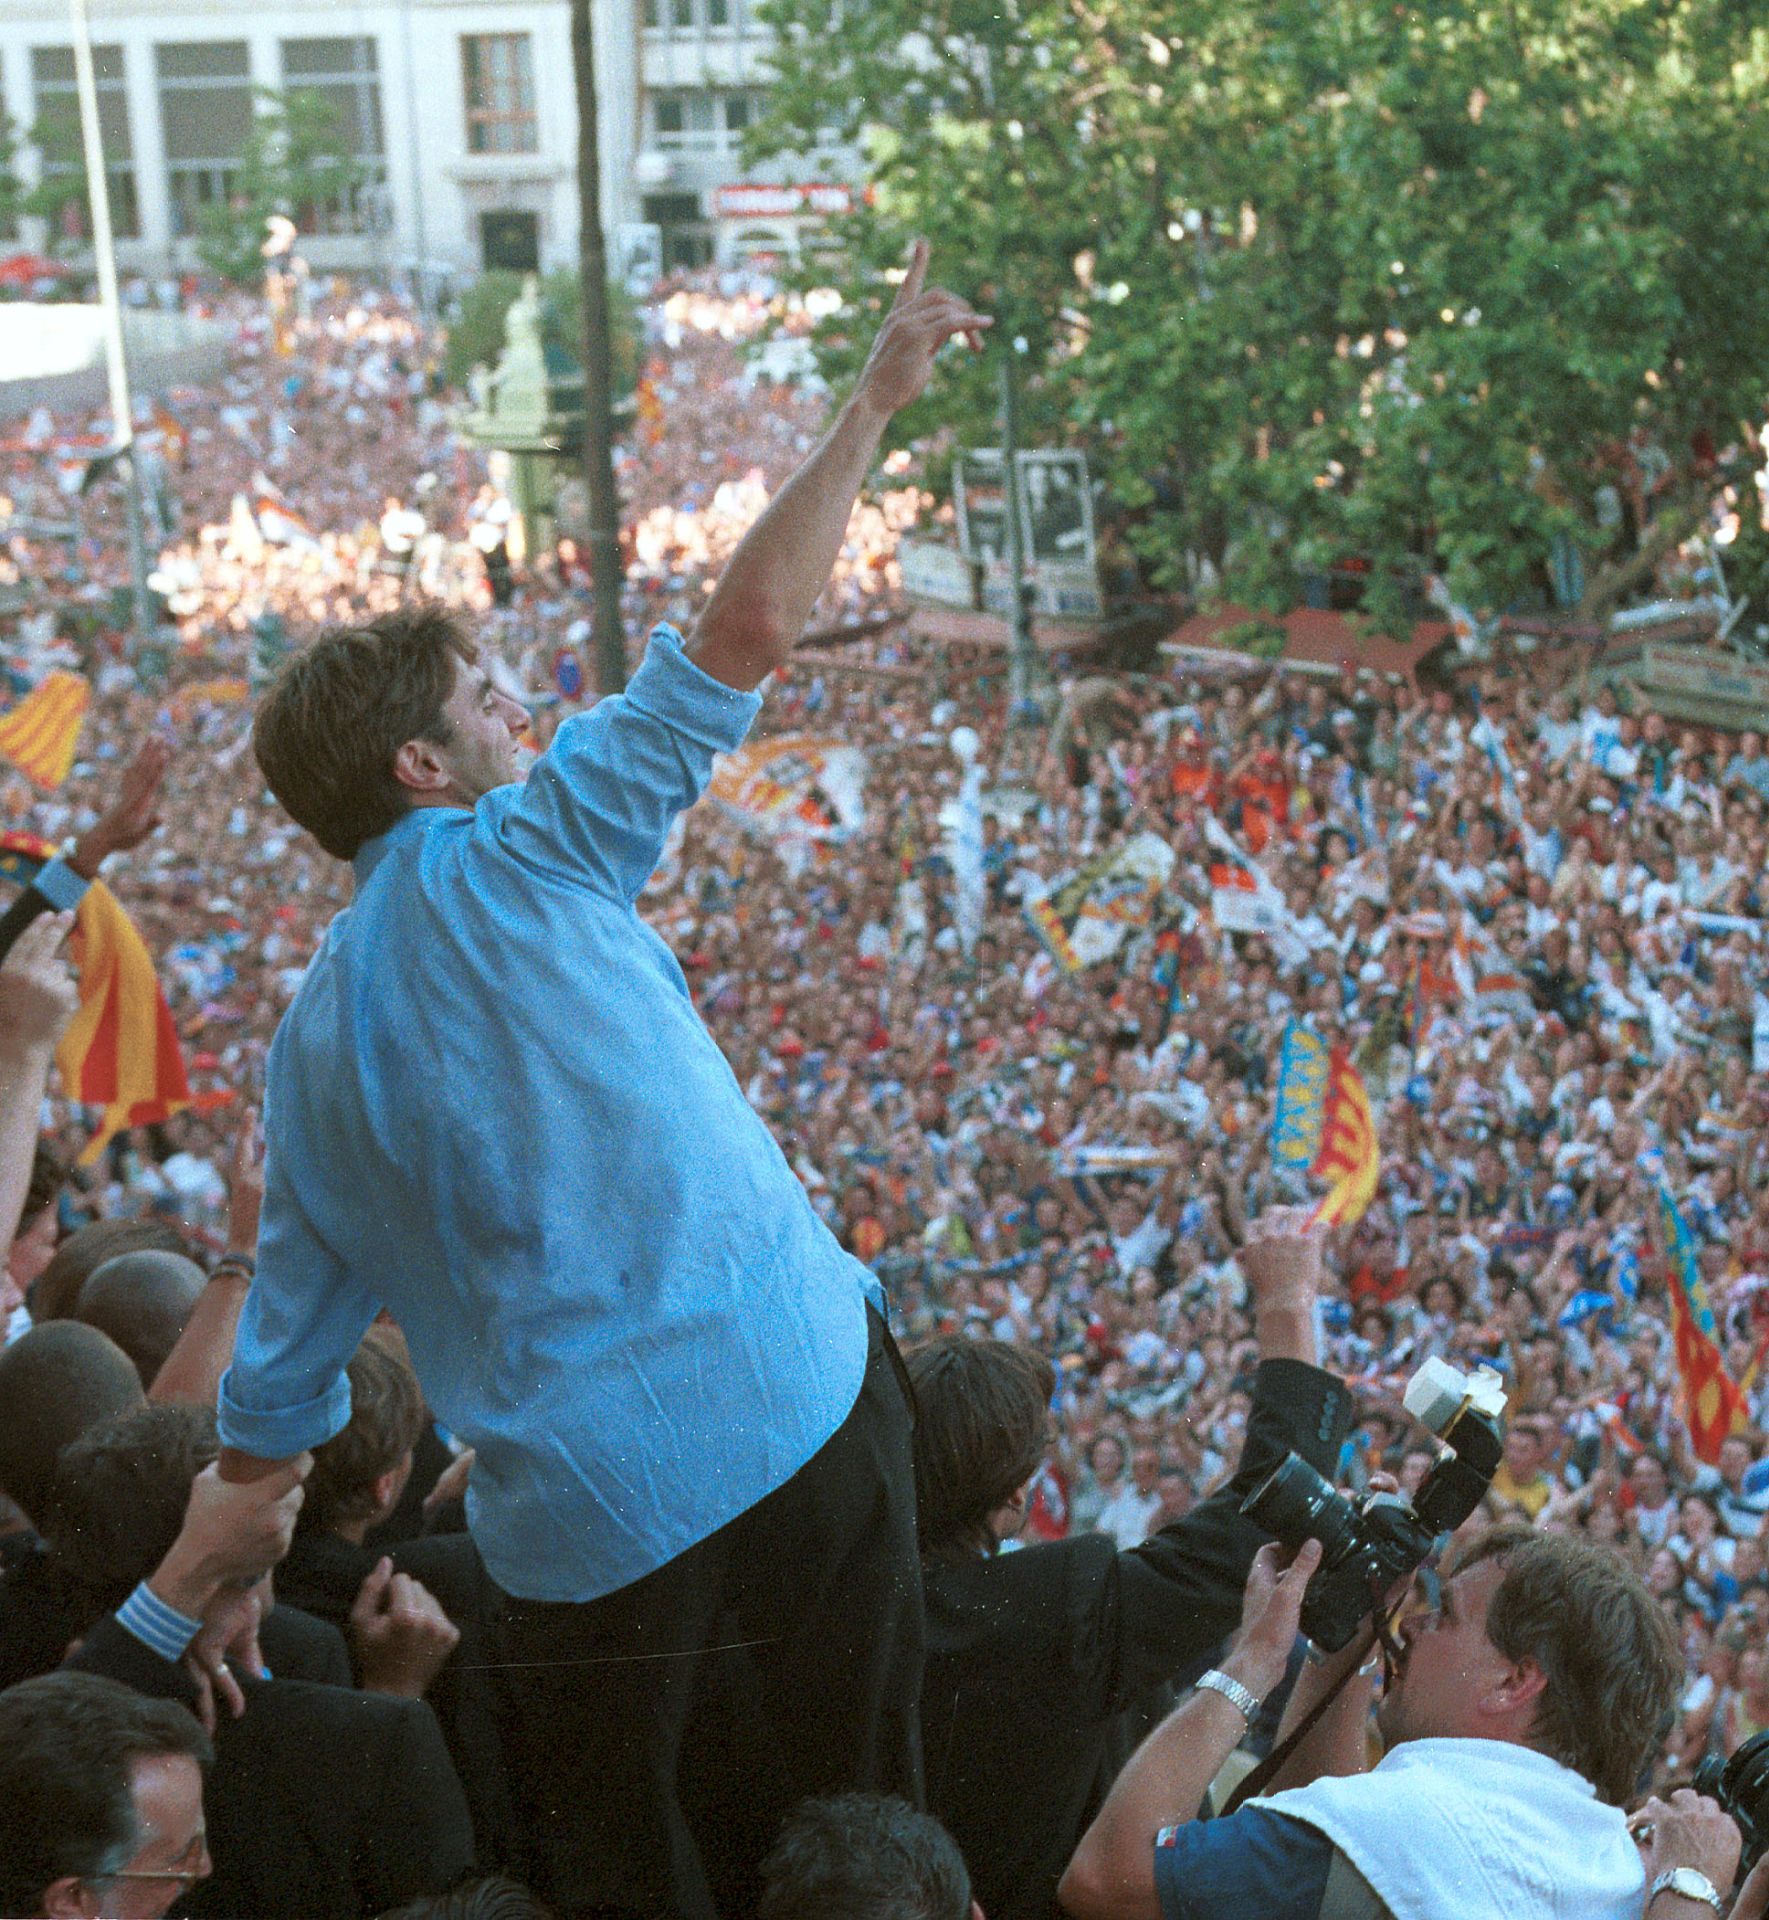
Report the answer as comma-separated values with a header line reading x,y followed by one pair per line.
x,y
39,735
1349,1158
120,1051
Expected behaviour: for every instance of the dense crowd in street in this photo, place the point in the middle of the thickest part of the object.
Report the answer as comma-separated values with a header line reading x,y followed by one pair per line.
x,y
1535,919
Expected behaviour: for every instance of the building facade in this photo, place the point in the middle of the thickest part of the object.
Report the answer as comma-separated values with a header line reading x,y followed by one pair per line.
x,y
463,118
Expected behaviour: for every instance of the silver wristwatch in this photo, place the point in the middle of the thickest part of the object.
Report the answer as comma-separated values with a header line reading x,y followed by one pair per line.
x,y
1231,1690
1688,1884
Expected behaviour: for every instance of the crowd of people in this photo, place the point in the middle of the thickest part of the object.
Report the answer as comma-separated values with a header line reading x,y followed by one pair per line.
x,y
1533,917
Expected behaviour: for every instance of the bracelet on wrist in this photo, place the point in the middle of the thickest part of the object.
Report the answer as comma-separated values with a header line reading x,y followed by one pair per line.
x,y
240,1263
1242,1699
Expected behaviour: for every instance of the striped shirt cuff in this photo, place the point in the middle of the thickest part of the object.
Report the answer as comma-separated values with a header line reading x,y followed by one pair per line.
x,y
159,1628
60,885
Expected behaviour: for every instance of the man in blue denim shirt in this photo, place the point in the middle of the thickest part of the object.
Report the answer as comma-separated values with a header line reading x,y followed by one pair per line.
x,y
493,1111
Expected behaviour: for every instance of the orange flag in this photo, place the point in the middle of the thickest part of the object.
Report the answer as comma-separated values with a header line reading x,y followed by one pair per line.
x,y
39,735
1349,1159
120,1051
1713,1405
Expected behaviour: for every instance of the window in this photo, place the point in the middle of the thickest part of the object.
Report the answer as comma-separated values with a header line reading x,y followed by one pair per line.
x,y
206,117
683,120
690,16
498,70
345,74
56,133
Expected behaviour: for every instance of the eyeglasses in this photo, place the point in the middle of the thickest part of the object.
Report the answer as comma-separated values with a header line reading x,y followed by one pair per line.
x,y
192,1865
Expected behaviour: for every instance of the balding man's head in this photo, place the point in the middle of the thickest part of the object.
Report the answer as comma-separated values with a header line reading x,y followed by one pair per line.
x,y
56,1291
55,1383
142,1300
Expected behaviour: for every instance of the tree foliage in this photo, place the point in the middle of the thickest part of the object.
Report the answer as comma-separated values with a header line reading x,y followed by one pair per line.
x,y
296,163
1439,286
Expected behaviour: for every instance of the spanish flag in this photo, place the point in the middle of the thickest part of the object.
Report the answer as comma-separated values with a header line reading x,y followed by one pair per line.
x,y
120,1051
39,735
1349,1159
1712,1405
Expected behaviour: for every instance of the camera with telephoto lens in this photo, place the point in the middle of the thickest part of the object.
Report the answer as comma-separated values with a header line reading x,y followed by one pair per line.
x,y
1369,1546
1741,1785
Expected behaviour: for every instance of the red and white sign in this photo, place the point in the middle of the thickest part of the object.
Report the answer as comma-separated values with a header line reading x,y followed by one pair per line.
x,y
761,202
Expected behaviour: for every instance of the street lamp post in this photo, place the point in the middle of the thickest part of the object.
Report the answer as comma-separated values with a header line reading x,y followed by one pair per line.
x,y
98,196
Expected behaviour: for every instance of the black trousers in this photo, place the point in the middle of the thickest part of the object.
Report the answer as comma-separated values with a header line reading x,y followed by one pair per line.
x,y
656,1737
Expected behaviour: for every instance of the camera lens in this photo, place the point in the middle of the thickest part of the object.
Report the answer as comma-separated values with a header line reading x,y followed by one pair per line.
x,y
1296,1504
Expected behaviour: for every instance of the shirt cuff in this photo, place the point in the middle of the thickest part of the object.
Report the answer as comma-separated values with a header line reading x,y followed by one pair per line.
x,y
159,1628
279,1433
672,688
60,885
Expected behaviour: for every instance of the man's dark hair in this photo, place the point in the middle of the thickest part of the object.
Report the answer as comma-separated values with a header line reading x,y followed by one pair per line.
x,y
861,1856
1584,1616
982,1423
56,1382
67,1743
56,1289
118,1498
331,725
481,1896
49,1174
386,1418
142,1300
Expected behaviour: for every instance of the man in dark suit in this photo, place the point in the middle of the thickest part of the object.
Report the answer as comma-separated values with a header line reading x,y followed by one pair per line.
x,y
1037,1659
322,1799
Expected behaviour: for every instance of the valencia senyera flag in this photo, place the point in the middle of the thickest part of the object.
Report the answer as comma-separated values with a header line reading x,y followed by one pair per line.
x,y
120,1052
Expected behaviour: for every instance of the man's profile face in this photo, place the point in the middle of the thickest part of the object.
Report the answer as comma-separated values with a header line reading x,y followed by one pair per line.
x,y
1448,1663
167,1789
483,727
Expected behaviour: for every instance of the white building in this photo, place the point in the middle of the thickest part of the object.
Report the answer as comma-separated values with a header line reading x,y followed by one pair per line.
x,y
463,116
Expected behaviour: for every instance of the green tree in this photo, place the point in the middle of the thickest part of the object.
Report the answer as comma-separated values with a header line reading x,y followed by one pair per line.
x,y
58,197
476,327
296,163
12,191
1316,281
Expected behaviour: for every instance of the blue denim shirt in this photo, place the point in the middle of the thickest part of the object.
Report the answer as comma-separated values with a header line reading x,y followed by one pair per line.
x,y
493,1110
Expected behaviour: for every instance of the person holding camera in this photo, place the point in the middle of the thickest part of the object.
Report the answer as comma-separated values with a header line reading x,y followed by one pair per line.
x,y
1520,1713
1045,1665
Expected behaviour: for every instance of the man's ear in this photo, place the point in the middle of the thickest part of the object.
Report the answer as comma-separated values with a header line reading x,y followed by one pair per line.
x,y
1516,1690
418,765
63,1899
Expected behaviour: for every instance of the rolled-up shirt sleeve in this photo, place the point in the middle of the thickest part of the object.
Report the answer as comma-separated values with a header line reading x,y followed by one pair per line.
x,y
599,802
304,1316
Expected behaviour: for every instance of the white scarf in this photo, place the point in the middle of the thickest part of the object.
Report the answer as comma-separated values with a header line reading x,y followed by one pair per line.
x,y
1477,1830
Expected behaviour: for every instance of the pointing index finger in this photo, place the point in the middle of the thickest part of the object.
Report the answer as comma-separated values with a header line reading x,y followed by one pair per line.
x,y
916,276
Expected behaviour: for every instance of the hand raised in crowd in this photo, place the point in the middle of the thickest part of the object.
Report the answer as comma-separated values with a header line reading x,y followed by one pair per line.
x,y
234,1532
921,320
400,1633
1687,1830
38,992
1281,1259
245,1185
451,1483
1271,1613
132,816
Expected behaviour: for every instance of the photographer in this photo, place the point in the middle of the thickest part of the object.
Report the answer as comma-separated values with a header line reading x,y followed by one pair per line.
x,y
1041,1663
1518,1718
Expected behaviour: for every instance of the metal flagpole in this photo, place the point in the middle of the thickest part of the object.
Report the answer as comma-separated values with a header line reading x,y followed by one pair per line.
x,y
98,194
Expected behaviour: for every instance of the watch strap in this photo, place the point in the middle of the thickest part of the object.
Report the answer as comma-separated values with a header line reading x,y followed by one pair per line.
x,y
1689,1884
1231,1690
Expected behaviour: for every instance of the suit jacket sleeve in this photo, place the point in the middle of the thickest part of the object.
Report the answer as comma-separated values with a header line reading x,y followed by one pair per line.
x,y
420,1839
1179,1593
112,1650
